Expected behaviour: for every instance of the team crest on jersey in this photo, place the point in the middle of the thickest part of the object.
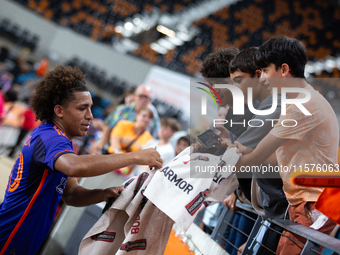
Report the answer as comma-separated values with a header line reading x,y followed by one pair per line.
x,y
197,158
60,188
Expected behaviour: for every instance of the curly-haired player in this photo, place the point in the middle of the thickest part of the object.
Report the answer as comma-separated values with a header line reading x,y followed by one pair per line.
x,y
46,166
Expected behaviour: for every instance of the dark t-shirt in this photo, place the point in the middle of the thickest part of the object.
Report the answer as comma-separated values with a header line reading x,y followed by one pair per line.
x,y
239,123
271,195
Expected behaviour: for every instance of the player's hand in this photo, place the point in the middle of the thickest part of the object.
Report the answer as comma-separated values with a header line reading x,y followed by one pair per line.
x,y
112,192
149,157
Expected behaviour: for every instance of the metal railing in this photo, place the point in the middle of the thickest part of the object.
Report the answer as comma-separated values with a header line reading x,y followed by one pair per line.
x,y
315,240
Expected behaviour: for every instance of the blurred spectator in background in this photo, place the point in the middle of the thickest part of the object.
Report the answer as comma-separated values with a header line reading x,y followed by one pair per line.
x,y
13,109
169,126
97,127
129,96
29,123
131,136
4,52
5,79
182,143
126,99
42,67
20,66
2,108
26,73
142,99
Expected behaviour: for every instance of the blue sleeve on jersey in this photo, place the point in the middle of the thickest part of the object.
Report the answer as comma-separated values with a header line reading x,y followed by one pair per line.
x,y
49,151
57,147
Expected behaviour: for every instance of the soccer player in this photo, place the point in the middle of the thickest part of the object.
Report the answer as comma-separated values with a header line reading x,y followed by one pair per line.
x,y
46,167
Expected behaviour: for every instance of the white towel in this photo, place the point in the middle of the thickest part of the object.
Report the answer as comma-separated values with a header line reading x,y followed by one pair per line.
x,y
132,224
142,226
181,193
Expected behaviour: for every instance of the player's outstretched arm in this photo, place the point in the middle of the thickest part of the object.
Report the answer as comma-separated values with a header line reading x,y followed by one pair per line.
x,y
76,195
92,165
